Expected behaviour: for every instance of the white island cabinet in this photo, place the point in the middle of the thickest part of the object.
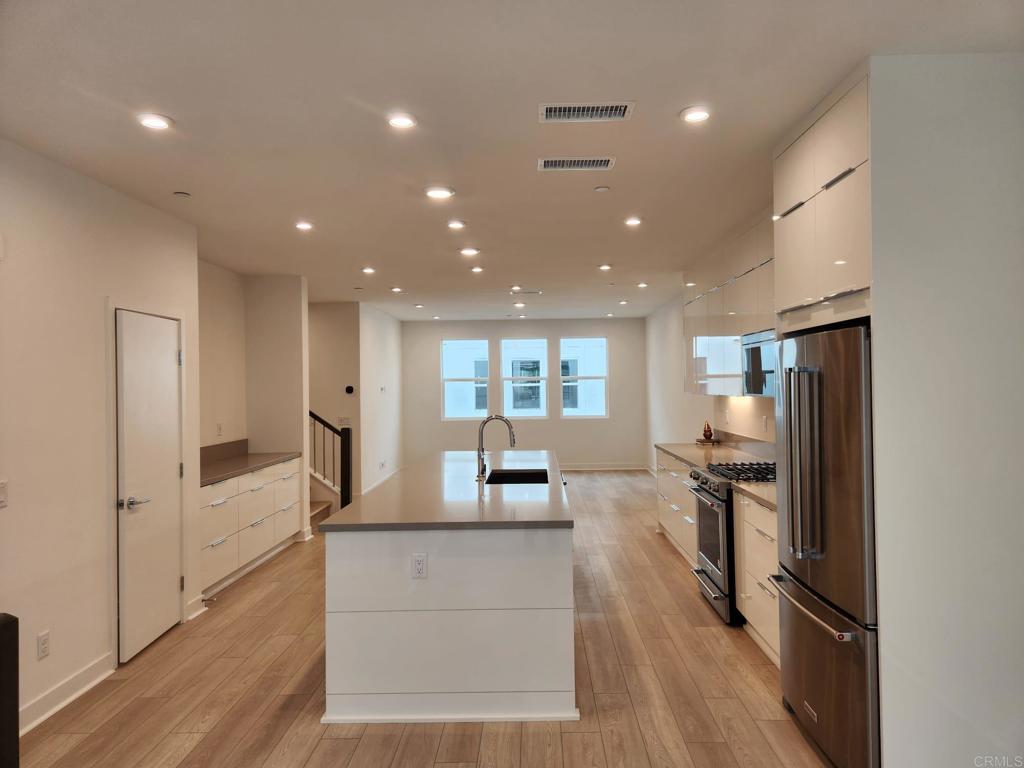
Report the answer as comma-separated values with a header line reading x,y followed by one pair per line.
x,y
449,599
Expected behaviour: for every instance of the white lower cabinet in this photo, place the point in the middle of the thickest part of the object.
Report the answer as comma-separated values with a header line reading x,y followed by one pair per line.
x,y
677,507
243,518
218,558
757,557
759,604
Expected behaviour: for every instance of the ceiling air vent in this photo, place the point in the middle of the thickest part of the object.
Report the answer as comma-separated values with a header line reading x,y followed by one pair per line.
x,y
575,163
586,113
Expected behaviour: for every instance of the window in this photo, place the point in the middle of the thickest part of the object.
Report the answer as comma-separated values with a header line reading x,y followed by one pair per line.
x,y
464,378
524,372
584,377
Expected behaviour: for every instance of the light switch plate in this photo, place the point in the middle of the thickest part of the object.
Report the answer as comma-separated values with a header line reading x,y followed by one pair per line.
x,y
3,494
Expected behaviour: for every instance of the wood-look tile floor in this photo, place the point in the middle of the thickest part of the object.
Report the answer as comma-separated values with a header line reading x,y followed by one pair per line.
x,y
659,680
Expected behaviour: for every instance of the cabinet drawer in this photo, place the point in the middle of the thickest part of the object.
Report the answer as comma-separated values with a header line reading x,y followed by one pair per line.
x,y
841,136
255,504
759,604
842,233
218,520
286,491
257,479
217,491
757,515
286,468
218,559
287,521
256,539
672,464
793,177
677,523
760,551
795,262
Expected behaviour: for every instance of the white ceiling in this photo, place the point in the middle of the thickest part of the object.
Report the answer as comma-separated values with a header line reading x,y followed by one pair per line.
x,y
280,115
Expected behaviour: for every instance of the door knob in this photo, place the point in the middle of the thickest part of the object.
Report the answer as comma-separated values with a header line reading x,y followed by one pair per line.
x,y
131,502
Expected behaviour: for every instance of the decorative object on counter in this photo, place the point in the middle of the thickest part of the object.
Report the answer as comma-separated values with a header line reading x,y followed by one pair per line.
x,y
709,436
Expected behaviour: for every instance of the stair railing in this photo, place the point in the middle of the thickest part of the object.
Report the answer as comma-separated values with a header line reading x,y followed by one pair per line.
x,y
331,454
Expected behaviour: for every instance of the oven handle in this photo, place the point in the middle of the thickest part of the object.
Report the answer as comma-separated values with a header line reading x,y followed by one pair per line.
x,y
711,594
838,635
712,502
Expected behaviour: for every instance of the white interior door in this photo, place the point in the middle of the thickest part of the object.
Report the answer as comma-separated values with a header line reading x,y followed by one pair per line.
x,y
149,540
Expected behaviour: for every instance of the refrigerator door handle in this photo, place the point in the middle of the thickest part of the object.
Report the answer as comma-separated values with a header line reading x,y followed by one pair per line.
x,y
791,404
803,422
839,636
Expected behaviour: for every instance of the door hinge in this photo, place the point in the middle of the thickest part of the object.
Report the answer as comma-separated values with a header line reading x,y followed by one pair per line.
x,y
181,469
181,584
179,357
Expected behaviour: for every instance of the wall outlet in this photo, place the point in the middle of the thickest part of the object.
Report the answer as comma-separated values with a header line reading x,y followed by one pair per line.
x,y
764,423
220,429
419,565
382,464
726,417
43,644
3,494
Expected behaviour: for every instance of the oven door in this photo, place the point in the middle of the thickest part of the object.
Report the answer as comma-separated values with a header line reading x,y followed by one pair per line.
x,y
712,572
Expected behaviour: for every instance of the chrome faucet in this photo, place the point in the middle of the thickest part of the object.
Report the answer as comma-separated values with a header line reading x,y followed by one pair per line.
x,y
481,465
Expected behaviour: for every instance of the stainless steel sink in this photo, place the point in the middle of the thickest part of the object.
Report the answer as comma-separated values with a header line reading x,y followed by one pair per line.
x,y
517,476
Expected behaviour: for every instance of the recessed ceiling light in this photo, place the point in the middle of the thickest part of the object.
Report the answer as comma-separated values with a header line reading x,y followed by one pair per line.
x,y
437,317
522,317
602,189
418,306
605,267
633,221
469,251
440,193
623,302
517,287
641,285
839,263
519,305
695,114
691,285
456,224
396,289
305,226
610,314
477,269
182,194
368,270
155,122
401,120
775,217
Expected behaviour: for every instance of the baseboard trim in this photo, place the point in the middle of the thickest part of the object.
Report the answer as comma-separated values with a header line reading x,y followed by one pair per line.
x,y
64,692
761,643
194,608
230,579
370,488
304,535
613,467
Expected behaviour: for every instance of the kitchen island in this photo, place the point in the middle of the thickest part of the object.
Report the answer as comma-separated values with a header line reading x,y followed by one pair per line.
x,y
451,599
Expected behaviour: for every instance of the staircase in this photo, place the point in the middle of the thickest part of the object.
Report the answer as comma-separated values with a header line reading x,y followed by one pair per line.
x,y
330,466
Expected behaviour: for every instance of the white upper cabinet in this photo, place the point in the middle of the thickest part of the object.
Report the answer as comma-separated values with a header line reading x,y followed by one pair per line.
x,y
842,234
840,137
793,180
795,272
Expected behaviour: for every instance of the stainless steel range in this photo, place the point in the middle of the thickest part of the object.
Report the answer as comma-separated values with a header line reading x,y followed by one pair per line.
x,y
715,571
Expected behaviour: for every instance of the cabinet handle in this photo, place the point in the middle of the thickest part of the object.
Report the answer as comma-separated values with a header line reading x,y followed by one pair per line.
x,y
289,477
689,519
766,590
763,535
792,208
837,178
218,502
674,474
285,509
261,521
257,488
662,495
661,468
674,507
218,542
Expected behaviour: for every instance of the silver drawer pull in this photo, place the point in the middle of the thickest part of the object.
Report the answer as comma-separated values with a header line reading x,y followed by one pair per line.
x,y
674,474
661,468
766,590
689,519
662,496
674,508
218,502
261,521
285,509
218,542
257,488
837,635
289,477
763,535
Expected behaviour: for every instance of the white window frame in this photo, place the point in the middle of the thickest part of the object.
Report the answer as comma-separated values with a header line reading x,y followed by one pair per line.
x,y
607,380
541,380
475,379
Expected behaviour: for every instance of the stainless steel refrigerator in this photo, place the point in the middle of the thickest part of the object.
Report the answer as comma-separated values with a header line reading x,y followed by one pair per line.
x,y
829,637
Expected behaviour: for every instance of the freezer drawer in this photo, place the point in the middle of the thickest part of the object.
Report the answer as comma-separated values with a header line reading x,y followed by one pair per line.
x,y
829,676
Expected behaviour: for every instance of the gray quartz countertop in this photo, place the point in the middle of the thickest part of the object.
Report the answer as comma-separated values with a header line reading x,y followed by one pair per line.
x,y
695,455
235,466
441,492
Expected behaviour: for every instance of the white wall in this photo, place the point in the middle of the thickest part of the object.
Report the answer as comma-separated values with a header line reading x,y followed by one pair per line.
x,y
746,416
222,355
73,250
333,364
673,416
617,441
380,383
947,159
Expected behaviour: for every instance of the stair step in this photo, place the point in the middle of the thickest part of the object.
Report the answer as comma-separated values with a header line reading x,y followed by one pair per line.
x,y
317,507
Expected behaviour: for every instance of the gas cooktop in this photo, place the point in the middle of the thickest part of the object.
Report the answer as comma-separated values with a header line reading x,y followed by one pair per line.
x,y
752,472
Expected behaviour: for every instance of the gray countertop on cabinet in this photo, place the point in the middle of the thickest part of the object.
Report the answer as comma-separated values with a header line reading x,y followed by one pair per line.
x,y
695,455
235,466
